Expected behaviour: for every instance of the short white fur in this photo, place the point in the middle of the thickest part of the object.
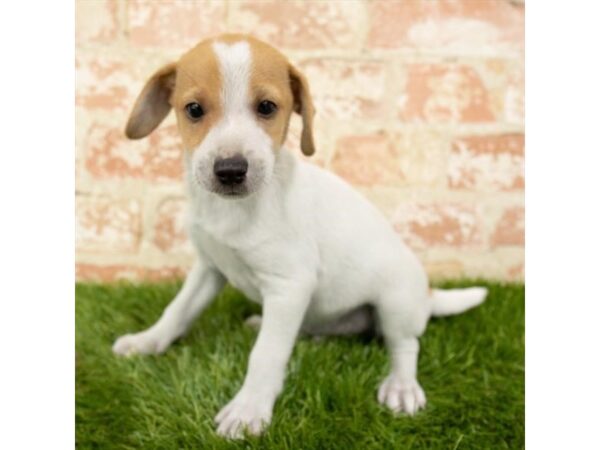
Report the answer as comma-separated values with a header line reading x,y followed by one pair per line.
x,y
308,247
235,63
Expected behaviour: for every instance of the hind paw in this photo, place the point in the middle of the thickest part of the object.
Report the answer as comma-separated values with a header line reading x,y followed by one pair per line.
x,y
401,395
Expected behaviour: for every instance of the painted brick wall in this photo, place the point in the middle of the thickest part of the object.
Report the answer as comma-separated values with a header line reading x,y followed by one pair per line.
x,y
420,106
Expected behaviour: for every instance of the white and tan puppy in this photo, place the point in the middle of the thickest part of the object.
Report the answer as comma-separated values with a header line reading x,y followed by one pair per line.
x,y
289,235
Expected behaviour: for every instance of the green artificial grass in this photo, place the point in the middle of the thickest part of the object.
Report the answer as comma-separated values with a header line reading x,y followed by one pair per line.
x,y
471,368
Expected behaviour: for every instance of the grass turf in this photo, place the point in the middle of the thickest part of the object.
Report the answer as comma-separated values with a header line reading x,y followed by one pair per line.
x,y
471,367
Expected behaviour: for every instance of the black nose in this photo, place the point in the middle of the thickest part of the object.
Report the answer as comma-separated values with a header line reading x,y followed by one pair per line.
x,y
231,171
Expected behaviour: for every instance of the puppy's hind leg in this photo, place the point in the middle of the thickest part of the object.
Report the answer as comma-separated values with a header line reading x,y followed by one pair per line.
x,y
401,326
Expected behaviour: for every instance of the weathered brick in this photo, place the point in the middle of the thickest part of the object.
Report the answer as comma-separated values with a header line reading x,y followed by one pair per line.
x,y
422,156
510,229
453,26
96,21
487,162
451,268
366,160
482,90
82,121
106,225
516,272
170,229
301,24
447,93
115,272
438,225
390,159
178,23
504,80
104,82
345,90
514,95
110,154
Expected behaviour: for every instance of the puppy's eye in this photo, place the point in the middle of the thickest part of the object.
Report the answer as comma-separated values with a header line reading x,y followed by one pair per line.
x,y
266,108
194,111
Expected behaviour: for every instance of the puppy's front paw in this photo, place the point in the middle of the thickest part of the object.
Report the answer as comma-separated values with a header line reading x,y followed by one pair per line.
x,y
244,413
401,395
148,342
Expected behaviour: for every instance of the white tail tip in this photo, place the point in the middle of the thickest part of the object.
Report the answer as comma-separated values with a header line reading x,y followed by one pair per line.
x,y
456,301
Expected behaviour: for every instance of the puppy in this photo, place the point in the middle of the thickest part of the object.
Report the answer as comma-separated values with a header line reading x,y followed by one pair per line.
x,y
289,235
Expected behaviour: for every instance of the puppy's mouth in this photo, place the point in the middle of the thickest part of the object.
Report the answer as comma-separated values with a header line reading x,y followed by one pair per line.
x,y
231,191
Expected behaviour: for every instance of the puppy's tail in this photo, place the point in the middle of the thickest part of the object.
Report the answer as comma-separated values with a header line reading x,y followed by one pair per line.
x,y
455,301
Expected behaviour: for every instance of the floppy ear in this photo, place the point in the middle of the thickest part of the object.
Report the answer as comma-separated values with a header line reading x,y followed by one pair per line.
x,y
153,103
304,106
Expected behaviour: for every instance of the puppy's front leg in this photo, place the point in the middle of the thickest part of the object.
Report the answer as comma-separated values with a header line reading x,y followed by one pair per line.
x,y
202,284
252,407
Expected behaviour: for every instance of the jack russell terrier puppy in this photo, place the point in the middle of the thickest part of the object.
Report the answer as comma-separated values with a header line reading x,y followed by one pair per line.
x,y
289,235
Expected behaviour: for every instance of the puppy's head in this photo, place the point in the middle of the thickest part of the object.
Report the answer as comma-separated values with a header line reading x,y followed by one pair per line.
x,y
233,96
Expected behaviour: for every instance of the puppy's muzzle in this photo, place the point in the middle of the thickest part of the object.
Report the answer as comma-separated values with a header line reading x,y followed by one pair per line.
x,y
231,171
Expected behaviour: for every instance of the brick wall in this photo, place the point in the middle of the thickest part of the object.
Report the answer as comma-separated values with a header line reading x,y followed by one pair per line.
x,y
420,106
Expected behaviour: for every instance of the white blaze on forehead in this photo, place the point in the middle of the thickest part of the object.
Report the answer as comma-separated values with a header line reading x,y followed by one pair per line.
x,y
234,61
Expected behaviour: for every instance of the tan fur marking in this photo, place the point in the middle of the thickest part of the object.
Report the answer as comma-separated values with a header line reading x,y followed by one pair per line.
x,y
269,80
198,80
196,77
304,106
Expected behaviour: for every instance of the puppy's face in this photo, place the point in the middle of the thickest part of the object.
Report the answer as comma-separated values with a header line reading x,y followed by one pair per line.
x,y
233,97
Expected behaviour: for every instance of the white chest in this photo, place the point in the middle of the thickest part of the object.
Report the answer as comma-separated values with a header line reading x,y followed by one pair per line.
x,y
231,264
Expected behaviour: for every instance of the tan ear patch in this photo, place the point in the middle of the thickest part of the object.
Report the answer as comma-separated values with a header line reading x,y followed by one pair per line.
x,y
198,80
153,103
304,106
269,81
272,73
